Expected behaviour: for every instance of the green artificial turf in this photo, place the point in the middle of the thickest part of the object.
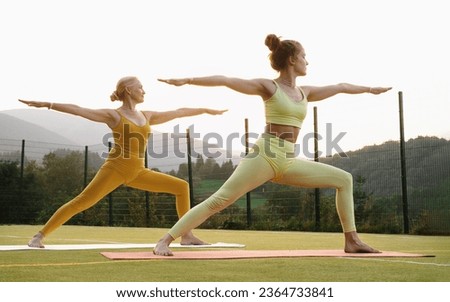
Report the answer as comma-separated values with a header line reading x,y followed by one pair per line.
x,y
90,265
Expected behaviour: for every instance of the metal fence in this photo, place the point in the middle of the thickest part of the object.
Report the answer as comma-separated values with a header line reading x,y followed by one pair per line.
x,y
39,177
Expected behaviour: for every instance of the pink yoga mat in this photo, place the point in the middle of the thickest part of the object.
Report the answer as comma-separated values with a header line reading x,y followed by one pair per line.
x,y
248,254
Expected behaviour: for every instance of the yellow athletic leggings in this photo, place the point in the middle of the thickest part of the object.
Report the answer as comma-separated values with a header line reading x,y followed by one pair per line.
x,y
272,159
112,174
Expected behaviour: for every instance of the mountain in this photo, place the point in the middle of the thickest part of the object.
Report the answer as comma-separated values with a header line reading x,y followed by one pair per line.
x,y
166,151
13,128
77,130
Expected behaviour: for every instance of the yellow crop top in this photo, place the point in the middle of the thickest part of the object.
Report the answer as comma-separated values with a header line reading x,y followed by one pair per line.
x,y
282,110
130,140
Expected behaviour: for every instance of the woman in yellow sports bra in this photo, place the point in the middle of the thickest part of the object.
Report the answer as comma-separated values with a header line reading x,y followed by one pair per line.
x,y
271,157
125,162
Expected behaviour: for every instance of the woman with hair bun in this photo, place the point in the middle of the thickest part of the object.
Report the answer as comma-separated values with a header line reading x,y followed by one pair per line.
x,y
271,157
125,162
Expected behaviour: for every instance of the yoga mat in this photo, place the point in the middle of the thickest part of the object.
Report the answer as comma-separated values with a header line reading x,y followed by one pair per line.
x,y
249,254
61,247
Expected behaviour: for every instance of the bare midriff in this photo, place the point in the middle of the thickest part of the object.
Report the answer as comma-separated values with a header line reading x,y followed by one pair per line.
x,y
289,133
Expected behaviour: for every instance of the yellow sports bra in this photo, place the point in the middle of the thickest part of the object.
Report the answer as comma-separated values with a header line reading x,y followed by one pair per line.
x,y
282,110
130,140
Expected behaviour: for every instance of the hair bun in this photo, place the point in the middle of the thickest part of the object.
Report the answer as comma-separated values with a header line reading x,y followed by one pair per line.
x,y
273,42
114,96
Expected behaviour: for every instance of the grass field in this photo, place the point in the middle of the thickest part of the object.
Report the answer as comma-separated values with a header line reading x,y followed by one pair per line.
x,y
89,265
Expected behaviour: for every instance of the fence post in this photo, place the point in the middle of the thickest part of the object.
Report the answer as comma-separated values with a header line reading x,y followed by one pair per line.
x,y
110,197
403,167
316,158
22,164
22,167
22,160
147,193
85,165
248,195
147,196
190,180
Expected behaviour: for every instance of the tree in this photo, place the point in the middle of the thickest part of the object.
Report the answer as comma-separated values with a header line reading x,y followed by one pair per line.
x,y
20,195
226,170
63,179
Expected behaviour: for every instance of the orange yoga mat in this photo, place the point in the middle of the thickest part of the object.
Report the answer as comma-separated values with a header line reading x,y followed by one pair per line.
x,y
249,254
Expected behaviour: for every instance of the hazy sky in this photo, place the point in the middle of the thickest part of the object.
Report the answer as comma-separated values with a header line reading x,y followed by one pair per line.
x,y
76,51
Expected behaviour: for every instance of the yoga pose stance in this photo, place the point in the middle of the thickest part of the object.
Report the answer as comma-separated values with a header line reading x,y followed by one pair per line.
x,y
271,156
125,162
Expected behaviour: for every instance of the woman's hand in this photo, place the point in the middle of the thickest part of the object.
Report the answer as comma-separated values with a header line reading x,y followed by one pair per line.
x,y
215,112
36,104
378,90
176,82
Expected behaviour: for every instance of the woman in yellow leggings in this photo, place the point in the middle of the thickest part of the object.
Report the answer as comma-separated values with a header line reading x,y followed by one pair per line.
x,y
125,162
271,158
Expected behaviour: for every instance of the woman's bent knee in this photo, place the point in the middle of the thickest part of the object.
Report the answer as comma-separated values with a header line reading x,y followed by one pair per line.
x,y
348,178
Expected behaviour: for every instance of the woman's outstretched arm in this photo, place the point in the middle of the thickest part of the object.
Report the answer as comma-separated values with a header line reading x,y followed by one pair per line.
x,y
156,117
316,93
107,116
261,87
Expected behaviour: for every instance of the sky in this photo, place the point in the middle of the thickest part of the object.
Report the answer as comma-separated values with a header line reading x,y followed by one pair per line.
x,y
76,51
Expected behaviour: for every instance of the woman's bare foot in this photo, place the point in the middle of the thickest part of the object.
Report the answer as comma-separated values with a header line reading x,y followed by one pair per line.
x,y
354,245
36,241
162,247
190,239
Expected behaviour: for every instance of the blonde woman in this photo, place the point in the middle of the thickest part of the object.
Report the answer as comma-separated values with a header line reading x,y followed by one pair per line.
x,y
125,162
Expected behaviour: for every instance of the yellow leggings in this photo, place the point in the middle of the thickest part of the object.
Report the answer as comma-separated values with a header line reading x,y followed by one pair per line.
x,y
113,174
271,159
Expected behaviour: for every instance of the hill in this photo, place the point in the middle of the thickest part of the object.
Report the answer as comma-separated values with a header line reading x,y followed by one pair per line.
x,y
166,152
77,130
13,128
379,166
